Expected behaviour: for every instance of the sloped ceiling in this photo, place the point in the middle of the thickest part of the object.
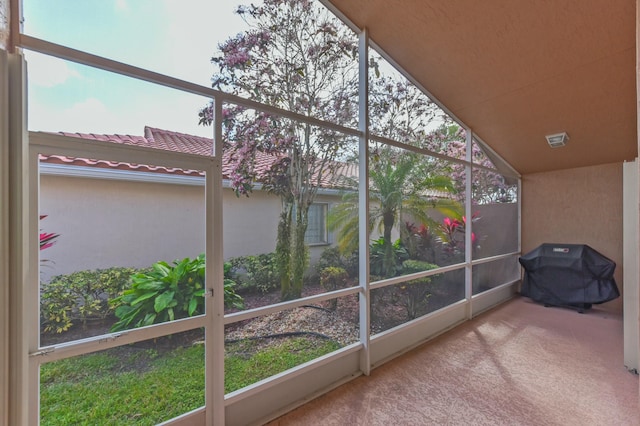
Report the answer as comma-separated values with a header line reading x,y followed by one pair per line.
x,y
515,71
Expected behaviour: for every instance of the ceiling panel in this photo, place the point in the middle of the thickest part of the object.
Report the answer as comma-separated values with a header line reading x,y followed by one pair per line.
x,y
515,71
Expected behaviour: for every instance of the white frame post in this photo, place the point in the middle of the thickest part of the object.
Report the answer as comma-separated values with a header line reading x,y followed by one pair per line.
x,y
214,341
363,201
20,412
468,241
4,237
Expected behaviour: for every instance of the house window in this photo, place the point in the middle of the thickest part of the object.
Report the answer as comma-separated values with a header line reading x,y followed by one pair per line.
x,y
317,227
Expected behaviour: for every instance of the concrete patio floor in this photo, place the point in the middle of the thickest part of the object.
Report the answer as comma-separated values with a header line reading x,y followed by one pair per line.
x,y
518,364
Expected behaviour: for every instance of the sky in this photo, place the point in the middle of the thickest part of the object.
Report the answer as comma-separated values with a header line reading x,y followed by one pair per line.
x,y
160,35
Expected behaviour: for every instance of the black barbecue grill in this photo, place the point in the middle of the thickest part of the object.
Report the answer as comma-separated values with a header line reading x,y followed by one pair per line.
x,y
572,275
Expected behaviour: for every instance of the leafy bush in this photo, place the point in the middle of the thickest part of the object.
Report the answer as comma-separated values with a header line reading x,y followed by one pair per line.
x,y
331,257
81,296
256,273
167,293
231,298
412,266
333,278
416,292
377,258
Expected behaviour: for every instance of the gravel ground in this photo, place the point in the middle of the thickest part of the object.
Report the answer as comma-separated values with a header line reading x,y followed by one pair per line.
x,y
302,319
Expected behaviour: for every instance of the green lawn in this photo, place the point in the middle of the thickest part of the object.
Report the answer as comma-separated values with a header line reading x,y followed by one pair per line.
x,y
141,386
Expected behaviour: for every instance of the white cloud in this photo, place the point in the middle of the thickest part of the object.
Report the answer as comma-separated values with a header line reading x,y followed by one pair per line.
x,y
193,35
88,116
122,6
47,71
93,116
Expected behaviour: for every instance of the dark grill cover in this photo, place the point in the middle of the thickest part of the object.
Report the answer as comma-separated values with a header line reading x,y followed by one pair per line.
x,y
568,274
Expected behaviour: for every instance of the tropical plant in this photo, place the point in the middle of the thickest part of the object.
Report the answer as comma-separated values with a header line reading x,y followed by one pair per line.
x,y
419,242
298,56
403,185
379,258
47,238
81,296
168,292
451,236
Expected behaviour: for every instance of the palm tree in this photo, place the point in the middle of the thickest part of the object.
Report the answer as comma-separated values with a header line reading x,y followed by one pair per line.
x,y
401,185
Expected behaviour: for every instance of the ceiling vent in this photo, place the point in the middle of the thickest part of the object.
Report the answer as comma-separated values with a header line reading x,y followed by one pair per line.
x,y
557,140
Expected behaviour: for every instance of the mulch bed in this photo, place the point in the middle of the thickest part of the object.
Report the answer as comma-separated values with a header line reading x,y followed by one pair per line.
x,y
339,324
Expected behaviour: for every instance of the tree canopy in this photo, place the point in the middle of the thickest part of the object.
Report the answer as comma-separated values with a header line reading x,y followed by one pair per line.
x,y
297,56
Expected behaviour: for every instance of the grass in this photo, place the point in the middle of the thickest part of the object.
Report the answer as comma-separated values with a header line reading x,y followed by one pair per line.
x,y
247,362
116,388
141,386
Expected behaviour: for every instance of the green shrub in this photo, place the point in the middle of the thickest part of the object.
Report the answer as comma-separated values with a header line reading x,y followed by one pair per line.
x,y
167,293
333,278
231,298
381,266
332,257
256,273
412,266
416,292
81,296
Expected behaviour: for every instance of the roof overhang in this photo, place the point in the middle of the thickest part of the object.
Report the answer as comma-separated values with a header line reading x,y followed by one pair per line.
x,y
515,71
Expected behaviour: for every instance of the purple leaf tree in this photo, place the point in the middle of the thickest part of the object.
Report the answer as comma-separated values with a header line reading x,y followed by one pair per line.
x,y
297,56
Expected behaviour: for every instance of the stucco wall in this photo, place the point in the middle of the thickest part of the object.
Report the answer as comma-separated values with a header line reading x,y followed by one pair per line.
x,y
250,224
105,223
579,206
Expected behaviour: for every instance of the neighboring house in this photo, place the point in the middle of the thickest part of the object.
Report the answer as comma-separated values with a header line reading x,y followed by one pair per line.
x,y
121,214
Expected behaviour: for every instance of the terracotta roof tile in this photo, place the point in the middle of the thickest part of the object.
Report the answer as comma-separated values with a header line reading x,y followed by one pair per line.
x,y
344,174
180,142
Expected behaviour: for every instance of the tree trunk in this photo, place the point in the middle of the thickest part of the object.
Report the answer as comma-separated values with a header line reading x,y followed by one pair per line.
x,y
300,251
283,250
389,261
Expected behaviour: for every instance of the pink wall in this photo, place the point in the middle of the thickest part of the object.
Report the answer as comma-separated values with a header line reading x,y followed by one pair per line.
x,y
576,206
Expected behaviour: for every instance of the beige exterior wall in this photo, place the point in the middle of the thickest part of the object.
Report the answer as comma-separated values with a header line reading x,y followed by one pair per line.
x,y
250,223
576,206
105,223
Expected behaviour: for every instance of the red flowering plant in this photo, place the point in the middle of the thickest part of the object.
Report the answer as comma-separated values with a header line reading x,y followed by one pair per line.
x,y
419,241
452,236
47,239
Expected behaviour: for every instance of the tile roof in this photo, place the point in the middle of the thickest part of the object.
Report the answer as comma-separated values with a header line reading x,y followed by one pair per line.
x,y
190,144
